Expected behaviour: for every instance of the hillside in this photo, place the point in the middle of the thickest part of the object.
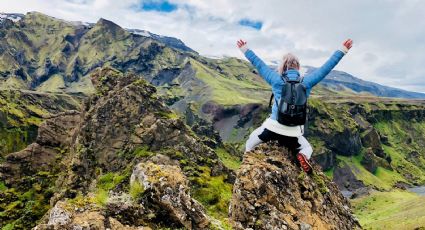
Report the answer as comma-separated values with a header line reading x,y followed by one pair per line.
x,y
345,83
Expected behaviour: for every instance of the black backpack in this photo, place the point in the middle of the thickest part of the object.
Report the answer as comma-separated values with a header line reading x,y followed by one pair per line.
x,y
292,107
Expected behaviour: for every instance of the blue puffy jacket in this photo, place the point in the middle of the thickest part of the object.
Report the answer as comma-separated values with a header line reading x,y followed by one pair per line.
x,y
275,80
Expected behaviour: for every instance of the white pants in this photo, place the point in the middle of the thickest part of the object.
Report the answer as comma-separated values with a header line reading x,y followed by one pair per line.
x,y
253,140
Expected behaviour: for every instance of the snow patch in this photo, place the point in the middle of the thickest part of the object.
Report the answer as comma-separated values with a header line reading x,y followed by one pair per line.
x,y
140,32
13,17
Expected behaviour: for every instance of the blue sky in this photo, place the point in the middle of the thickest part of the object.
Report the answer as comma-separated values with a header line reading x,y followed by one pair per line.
x,y
389,35
159,6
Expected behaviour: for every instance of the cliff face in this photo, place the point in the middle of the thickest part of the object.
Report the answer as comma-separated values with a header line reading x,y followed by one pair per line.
x,y
21,112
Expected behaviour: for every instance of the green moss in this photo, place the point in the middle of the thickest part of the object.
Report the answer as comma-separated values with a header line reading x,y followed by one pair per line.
x,y
136,190
329,173
3,187
110,180
168,115
213,192
8,227
405,137
143,152
230,161
101,197
320,183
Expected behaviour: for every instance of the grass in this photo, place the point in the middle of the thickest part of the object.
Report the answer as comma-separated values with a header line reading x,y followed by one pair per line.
x,y
110,180
136,190
391,210
230,161
399,132
101,197
229,91
2,186
362,174
214,193
143,152
329,173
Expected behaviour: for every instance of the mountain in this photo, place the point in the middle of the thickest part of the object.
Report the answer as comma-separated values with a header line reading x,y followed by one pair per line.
x,y
169,41
344,82
12,17
80,102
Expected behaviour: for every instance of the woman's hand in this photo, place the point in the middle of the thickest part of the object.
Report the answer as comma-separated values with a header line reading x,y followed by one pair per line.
x,y
348,44
242,45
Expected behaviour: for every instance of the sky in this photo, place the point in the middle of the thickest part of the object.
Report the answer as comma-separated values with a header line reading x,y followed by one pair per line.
x,y
389,35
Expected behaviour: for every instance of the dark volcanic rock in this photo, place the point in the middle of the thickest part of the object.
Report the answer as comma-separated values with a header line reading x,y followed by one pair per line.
x,y
372,139
326,159
271,192
369,161
345,178
53,135
347,143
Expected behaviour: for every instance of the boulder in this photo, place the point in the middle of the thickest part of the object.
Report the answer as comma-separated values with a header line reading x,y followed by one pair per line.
x,y
271,192
371,139
345,178
168,189
64,216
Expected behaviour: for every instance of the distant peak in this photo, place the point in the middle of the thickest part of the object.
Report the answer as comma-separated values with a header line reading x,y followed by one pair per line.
x,y
107,23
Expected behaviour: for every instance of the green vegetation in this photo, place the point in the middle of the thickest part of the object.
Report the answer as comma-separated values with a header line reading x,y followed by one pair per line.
x,y
406,138
330,173
136,190
227,90
143,152
2,186
213,192
110,180
390,210
382,179
230,161
101,197
23,208
168,115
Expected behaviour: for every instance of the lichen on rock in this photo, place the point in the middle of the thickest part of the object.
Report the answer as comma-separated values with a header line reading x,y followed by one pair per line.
x,y
271,192
168,188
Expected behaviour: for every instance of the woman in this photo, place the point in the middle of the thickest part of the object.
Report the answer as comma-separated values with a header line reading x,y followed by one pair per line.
x,y
289,136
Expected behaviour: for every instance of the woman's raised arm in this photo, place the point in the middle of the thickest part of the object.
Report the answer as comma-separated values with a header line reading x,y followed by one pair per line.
x,y
320,73
265,71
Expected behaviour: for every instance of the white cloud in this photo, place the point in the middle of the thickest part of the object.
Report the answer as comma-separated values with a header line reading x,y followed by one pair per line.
x,y
389,35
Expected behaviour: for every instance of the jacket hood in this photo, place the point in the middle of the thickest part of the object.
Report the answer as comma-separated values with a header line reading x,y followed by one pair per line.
x,y
292,74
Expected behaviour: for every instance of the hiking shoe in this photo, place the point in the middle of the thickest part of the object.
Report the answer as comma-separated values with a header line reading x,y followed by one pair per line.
x,y
305,165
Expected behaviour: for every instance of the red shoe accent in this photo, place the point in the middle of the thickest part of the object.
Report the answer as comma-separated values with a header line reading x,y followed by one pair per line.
x,y
305,165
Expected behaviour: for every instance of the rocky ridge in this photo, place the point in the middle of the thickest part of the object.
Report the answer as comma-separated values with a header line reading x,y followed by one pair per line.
x,y
271,192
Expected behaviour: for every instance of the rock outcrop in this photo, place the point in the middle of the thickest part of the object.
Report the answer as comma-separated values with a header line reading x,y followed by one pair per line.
x,y
271,192
68,217
168,188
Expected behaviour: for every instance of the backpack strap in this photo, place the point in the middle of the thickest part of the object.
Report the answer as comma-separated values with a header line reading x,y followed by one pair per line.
x,y
285,77
271,99
301,78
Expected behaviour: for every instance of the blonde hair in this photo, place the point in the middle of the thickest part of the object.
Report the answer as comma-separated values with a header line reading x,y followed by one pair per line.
x,y
289,61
